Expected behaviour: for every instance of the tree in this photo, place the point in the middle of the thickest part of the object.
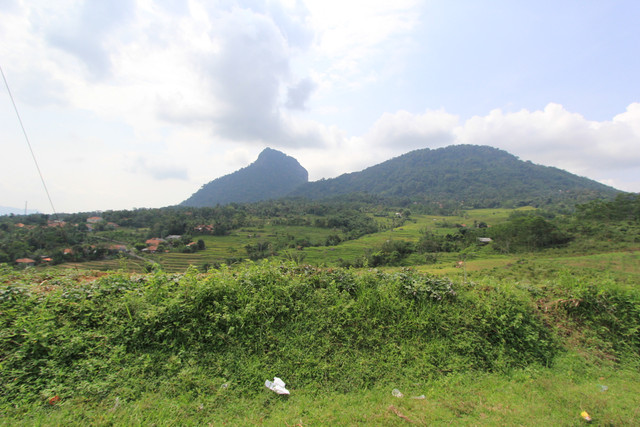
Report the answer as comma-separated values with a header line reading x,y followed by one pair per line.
x,y
530,232
294,255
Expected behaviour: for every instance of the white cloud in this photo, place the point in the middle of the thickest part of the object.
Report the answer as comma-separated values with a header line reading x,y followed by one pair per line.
x,y
406,131
139,103
86,31
158,169
557,137
299,93
352,33
608,151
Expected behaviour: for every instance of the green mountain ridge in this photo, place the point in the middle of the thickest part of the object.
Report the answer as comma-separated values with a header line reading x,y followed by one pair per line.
x,y
469,175
476,176
273,175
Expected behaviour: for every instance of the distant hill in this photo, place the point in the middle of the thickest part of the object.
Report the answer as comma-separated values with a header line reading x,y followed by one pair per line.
x,y
460,175
475,176
5,210
271,176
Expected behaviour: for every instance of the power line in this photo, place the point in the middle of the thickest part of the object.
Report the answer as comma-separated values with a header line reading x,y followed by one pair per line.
x,y
28,143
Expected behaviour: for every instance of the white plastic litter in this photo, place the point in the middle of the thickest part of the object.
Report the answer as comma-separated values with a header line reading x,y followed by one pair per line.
x,y
277,386
396,393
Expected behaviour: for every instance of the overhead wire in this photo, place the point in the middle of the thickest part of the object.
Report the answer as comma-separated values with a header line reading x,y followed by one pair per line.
x,y
24,132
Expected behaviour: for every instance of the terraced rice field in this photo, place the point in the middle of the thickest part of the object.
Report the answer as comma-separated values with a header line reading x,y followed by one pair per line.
x,y
221,249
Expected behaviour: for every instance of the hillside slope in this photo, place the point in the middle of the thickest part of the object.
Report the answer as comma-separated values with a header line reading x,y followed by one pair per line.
x,y
477,176
272,175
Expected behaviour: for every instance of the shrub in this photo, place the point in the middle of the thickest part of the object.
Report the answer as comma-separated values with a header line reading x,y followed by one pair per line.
x,y
317,327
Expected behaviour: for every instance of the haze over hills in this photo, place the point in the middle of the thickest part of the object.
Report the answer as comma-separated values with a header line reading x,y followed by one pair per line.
x,y
476,176
271,176
6,210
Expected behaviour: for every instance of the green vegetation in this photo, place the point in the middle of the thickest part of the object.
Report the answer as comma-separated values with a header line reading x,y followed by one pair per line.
x,y
271,176
196,348
353,300
248,321
463,175
340,233
225,230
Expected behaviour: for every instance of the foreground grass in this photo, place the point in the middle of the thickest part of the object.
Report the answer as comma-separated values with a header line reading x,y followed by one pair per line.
x,y
533,396
531,343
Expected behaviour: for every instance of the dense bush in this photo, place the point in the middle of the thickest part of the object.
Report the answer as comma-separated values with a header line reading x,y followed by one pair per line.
x,y
625,207
315,327
391,252
527,233
607,310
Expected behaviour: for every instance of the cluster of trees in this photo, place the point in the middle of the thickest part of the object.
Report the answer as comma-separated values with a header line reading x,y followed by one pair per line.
x,y
352,223
346,215
179,220
606,222
260,250
521,233
625,207
350,217
34,237
36,240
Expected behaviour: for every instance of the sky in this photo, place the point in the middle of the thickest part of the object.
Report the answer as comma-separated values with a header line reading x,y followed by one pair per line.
x,y
138,103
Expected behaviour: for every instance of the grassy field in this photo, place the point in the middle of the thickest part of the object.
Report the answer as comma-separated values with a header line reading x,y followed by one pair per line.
x,y
555,396
166,376
475,337
220,249
588,302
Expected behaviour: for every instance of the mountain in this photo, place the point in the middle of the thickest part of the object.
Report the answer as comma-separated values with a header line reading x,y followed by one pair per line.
x,y
271,176
475,176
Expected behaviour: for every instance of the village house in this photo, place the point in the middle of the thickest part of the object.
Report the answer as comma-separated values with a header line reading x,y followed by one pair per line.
x,y
117,248
204,228
155,241
28,227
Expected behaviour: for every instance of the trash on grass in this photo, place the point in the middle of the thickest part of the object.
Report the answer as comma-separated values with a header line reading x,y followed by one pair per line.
x,y
585,415
55,399
400,414
277,386
396,393
422,396
603,387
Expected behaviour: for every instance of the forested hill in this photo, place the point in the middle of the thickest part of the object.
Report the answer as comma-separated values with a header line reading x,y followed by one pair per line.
x,y
271,176
478,176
